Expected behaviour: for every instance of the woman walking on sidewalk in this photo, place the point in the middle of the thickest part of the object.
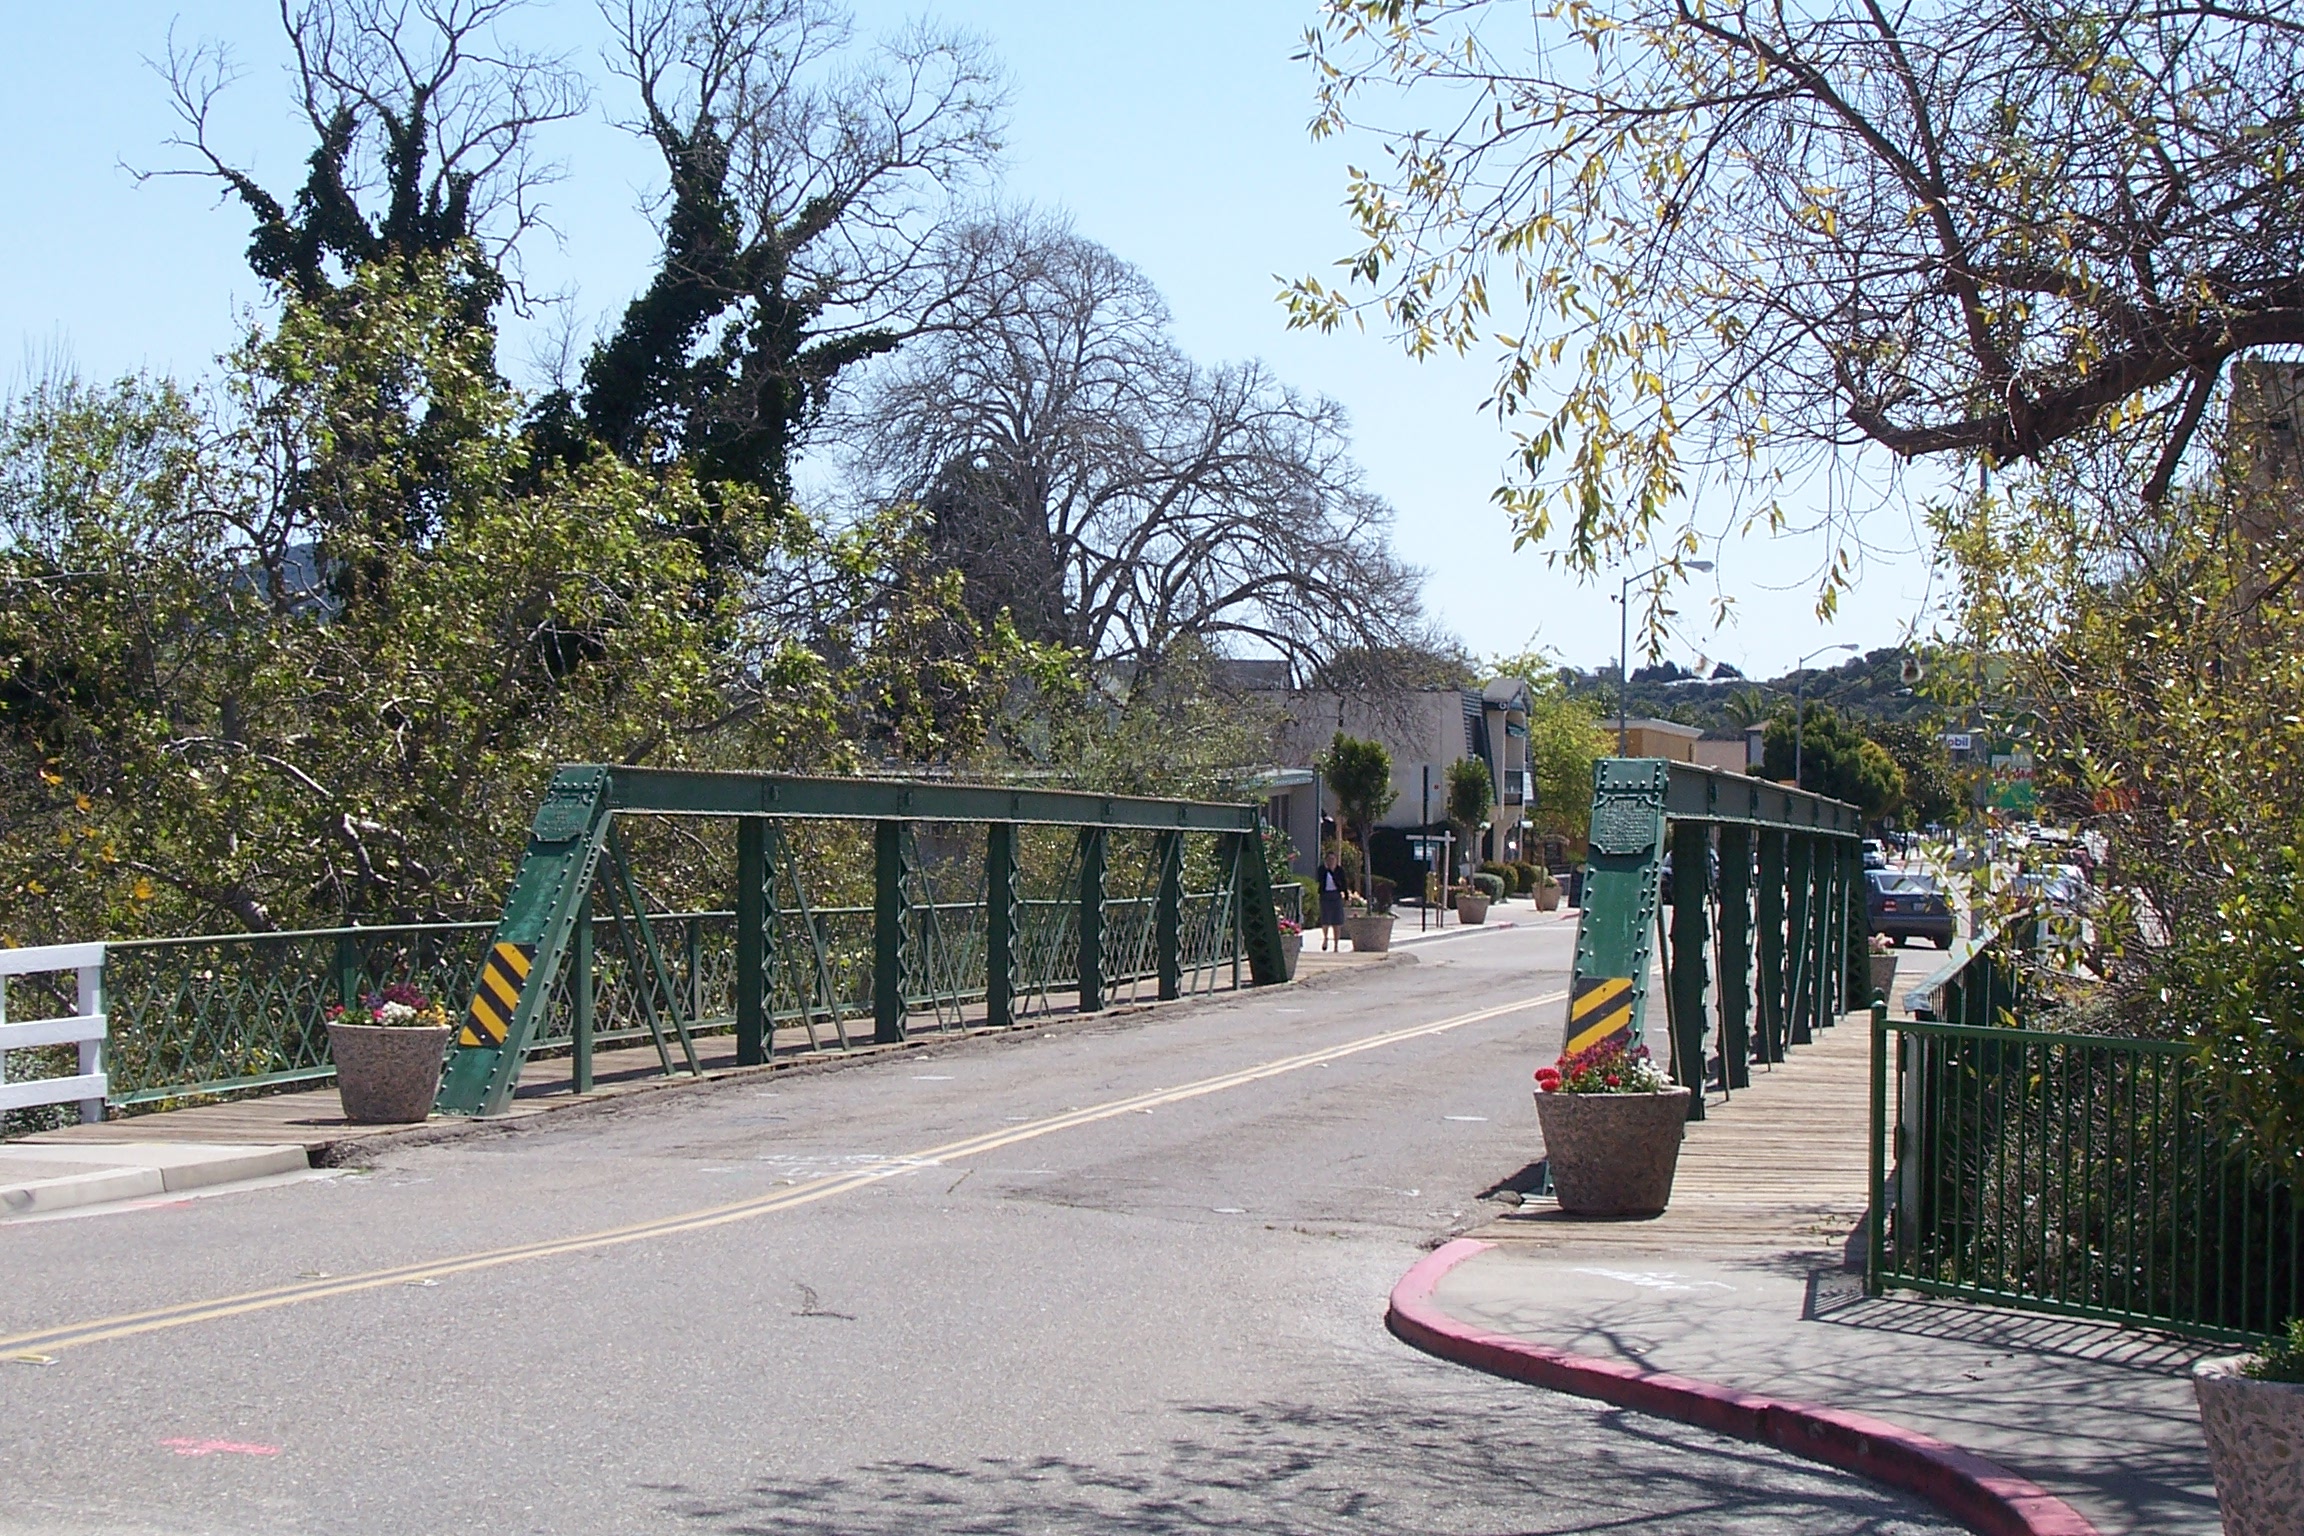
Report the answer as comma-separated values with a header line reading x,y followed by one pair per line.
x,y
1331,878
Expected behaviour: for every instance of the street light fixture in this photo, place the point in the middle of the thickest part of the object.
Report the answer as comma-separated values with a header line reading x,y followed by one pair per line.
x,y
1800,702
1624,646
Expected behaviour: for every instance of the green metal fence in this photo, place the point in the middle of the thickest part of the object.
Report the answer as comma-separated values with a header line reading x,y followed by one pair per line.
x,y
2085,1175
225,1013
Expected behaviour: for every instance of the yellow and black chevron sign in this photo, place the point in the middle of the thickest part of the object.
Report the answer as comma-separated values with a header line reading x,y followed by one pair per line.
x,y
1601,1007
498,994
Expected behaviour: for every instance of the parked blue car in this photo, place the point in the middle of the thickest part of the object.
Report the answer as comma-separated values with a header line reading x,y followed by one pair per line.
x,y
1907,906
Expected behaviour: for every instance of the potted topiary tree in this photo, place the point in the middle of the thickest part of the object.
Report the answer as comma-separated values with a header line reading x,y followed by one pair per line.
x,y
2252,1415
1612,1129
1471,795
1359,774
388,1048
1546,891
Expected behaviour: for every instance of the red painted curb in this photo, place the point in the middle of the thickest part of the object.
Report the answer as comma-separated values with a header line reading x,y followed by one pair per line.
x,y
1982,1495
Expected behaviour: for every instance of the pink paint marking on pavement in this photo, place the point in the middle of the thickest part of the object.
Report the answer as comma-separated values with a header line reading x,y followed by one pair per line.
x,y
1980,1494
184,1446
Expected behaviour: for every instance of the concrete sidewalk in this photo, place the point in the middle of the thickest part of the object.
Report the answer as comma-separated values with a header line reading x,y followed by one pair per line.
x,y
1752,1282
2099,1416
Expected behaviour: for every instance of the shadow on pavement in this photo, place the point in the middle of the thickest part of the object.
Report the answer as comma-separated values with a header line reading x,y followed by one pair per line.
x,y
2113,1404
1294,1468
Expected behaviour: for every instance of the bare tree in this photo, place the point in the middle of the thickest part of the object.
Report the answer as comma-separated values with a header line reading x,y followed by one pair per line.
x,y
1113,495
807,176
424,117
1718,231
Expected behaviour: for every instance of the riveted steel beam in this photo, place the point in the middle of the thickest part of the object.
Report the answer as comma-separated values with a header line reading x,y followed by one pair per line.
x,y
682,792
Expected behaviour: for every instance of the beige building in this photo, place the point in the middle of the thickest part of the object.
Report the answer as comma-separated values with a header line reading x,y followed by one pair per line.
x,y
1662,738
1423,730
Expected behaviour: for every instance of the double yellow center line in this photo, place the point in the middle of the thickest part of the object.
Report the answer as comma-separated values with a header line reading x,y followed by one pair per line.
x,y
48,1341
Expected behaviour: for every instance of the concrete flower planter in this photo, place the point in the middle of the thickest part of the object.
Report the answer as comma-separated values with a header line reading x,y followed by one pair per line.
x,y
386,1074
1883,979
1370,932
1613,1154
2255,1433
1291,950
1471,908
1547,898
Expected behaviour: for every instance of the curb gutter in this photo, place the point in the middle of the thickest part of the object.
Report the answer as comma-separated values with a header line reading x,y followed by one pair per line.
x,y
40,1179
1983,1496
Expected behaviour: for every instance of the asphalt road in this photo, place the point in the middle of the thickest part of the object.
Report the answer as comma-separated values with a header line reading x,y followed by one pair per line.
x,y
1123,1276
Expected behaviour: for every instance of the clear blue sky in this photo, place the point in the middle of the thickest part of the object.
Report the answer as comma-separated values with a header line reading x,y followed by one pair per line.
x,y
1174,133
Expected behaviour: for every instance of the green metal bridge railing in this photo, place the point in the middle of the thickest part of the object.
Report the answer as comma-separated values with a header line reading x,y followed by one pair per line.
x,y
2083,1175
231,1013
227,1013
1770,944
1007,960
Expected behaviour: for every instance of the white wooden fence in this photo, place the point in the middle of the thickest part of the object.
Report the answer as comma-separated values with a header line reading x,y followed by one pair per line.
x,y
83,1027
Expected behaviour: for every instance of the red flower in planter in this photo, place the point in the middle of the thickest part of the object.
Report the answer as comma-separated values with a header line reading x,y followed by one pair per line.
x,y
1547,1079
1604,1068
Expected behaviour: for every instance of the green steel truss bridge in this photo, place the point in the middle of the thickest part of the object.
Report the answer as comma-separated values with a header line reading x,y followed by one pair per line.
x,y
1787,895
951,925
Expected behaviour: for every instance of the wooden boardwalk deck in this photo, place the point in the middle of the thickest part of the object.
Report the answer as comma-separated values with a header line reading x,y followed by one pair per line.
x,y
1778,1168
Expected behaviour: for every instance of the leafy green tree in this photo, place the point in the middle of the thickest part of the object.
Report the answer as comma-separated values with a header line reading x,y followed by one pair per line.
x,y
1835,759
1471,797
1359,775
200,728
1717,235
1932,790
2153,666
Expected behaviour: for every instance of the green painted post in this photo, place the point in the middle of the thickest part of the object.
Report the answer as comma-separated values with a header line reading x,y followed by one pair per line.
x,y
1827,911
1830,970
1616,933
1000,925
1773,1012
1853,993
1091,919
581,982
1735,979
565,843
1168,914
887,932
1800,937
1691,911
752,1027
347,969
692,955
1875,1224
1258,915
1237,884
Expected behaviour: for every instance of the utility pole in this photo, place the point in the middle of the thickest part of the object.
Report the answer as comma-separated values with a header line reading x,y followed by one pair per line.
x,y
1424,842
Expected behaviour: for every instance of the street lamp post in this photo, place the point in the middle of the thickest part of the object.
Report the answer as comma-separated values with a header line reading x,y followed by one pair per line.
x,y
1800,703
1624,648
